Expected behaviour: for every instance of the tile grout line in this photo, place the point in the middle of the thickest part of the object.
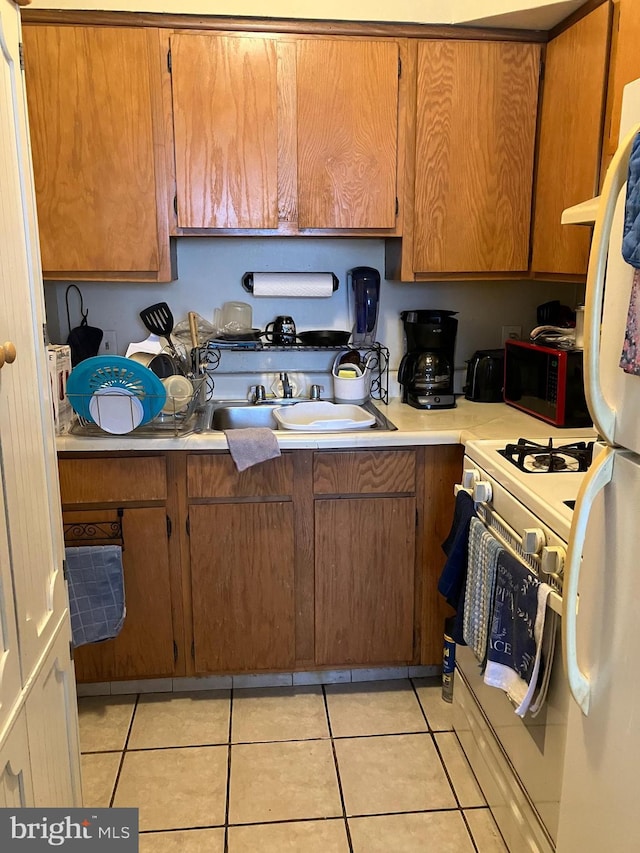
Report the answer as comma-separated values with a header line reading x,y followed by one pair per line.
x,y
228,794
335,761
122,755
444,767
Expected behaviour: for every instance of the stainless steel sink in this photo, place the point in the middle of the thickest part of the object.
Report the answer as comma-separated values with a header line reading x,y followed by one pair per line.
x,y
220,415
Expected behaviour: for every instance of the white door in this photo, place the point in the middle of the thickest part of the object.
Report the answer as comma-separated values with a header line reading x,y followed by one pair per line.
x,y
27,448
16,790
599,802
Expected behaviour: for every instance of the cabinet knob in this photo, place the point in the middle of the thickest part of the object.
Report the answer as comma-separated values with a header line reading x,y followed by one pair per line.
x,y
7,353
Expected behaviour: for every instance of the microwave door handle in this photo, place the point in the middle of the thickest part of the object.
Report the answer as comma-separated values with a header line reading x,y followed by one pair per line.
x,y
603,415
597,477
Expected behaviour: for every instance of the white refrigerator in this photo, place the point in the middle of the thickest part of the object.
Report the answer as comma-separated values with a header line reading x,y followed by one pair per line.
x,y
600,802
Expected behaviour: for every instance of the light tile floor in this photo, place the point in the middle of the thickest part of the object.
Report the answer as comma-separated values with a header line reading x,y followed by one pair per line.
x,y
365,767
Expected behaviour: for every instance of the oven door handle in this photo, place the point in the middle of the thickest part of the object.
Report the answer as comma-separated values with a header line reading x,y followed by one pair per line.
x,y
596,478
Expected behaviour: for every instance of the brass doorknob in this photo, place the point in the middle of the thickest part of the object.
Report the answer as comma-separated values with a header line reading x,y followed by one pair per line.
x,y
7,353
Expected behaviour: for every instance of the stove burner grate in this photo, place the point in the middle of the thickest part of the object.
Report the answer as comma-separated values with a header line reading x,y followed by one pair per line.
x,y
537,458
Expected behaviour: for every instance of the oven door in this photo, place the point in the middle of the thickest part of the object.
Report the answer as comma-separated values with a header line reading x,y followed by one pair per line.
x,y
520,763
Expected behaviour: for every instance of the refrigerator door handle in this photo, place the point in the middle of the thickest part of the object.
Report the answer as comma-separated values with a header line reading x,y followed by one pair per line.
x,y
604,417
595,480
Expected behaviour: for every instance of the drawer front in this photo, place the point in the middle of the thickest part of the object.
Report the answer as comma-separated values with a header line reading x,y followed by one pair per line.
x,y
216,476
364,472
115,480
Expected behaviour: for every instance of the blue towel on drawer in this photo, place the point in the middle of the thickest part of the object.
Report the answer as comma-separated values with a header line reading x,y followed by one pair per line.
x,y
96,592
631,234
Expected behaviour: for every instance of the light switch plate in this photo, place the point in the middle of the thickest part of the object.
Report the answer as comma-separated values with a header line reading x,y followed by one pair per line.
x,y
513,333
109,343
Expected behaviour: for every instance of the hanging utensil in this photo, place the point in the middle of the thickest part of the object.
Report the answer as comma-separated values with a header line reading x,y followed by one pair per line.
x,y
159,320
195,346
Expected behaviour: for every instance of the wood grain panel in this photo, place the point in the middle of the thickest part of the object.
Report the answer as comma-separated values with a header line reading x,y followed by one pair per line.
x,y
225,125
570,140
442,470
93,137
304,557
347,133
475,139
287,141
216,476
144,647
242,574
364,472
625,67
112,480
364,580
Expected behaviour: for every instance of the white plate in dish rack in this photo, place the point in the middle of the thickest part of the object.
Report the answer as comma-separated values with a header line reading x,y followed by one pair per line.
x,y
322,417
116,410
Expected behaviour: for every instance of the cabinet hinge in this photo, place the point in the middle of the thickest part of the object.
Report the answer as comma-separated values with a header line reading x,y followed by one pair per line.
x,y
188,526
169,67
64,570
21,56
169,526
193,649
175,652
70,649
397,206
175,204
399,67
417,516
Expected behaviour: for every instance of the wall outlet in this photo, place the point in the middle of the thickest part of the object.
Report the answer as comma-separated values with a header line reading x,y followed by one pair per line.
x,y
513,333
109,344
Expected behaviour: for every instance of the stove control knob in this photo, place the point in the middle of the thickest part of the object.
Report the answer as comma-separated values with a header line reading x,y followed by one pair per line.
x,y
470,477
482,491
533,540
552,560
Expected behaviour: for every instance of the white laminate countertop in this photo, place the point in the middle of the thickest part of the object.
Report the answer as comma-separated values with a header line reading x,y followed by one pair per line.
x,y
446,426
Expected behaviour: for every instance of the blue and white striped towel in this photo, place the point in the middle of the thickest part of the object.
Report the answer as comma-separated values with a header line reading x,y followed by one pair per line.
x,y
96,592
484,550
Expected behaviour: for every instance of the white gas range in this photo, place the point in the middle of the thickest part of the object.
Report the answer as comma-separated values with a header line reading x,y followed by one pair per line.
x,y
523,492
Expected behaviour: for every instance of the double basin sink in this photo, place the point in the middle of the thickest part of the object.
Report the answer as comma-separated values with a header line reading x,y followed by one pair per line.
x,y
219,415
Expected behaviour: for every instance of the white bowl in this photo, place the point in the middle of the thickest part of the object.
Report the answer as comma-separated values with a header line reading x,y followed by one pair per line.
x,y
116,410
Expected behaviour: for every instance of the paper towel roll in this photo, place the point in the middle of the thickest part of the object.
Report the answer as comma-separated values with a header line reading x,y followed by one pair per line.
x,y
299,284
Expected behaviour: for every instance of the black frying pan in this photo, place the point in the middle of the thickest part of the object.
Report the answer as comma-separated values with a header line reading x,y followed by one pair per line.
x,y
323,338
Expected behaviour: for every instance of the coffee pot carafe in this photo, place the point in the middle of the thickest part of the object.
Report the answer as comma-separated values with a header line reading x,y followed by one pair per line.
x,y
426,371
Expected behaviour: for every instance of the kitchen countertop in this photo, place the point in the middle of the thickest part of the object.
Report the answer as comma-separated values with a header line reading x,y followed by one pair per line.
x,y
415,427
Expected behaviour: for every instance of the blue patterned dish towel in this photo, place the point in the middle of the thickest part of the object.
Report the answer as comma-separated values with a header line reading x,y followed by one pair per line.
x,y
96,592
514,651
484,550
630,357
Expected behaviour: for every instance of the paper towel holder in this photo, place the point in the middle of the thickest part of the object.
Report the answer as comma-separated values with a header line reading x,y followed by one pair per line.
x,y
247,278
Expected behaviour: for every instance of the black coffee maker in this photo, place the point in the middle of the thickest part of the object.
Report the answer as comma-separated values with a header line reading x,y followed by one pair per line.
x,y
426,369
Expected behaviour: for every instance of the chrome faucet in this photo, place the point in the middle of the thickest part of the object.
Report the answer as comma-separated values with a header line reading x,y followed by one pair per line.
x,y
287,390
259,394
316,390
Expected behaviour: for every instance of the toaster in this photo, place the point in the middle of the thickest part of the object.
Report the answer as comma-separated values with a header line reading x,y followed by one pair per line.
x,y
485,376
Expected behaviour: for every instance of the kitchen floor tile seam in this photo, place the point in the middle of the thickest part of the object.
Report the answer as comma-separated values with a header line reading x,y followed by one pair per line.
x,y
337,769
124,752
424,713
228,790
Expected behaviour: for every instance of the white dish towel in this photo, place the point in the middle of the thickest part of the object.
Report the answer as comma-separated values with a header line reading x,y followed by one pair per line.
x,y
484,550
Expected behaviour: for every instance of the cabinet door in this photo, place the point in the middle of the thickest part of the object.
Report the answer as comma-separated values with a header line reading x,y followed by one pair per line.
x,y
242,572
145,646
475,139
16,788
569,147
226,130
98,152
365,558
347,112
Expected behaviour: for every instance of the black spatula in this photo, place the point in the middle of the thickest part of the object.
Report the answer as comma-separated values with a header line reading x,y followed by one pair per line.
x,y
158,319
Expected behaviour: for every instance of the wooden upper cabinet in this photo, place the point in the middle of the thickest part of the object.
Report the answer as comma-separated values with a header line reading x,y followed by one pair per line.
x,y
624,67
99,159
474,150
224,92
347,133
570,142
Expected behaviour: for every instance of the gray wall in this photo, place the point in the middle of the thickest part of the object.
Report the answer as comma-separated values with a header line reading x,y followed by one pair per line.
x,y
210,272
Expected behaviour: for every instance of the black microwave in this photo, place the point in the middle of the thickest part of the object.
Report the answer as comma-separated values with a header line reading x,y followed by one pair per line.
x,y
546,382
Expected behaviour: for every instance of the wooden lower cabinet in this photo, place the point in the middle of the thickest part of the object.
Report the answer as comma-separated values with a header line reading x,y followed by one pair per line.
x,y
242,584
364,584
145,646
